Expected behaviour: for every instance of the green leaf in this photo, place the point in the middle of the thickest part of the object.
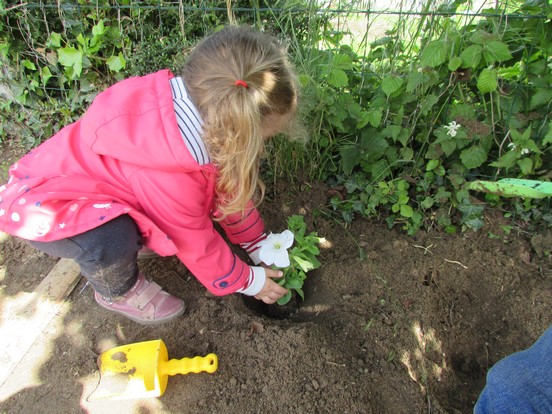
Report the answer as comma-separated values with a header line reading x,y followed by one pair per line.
x,y
54,41
391,84
342,61
362,120
427,202
434,54
28,64
470,210
337,78
432,164
415,79
496,51
284,299
82,40
487,80
296,223
526,166
71,58
541,97
392,131
464,110
116,63
304,80
406,210
98,29
474,156
442,195
402,185
407,153
350,157
508,160
548,137
517,137
380,169
481,37
4,49
404,136
448,146
447,143
374,117
474,224
373,145
46,74
531,145
427,103
471,56
403,199
305,265
294,283
455,63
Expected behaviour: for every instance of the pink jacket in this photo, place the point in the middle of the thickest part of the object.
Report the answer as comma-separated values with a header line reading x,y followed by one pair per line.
x,y
126,156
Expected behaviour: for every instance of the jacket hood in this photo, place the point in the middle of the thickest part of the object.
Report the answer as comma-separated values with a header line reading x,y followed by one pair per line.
x,y
134,121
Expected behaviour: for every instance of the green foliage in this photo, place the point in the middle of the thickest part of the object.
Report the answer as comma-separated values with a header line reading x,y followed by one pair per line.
x,y
409,125
303,258
400,122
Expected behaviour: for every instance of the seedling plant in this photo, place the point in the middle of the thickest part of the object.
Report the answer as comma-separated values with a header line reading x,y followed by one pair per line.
x,y
298,261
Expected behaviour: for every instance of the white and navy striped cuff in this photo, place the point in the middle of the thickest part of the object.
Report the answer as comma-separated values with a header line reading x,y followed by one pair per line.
x,y
252,248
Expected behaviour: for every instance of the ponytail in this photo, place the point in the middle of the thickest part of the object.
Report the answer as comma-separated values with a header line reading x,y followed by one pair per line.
x,y
235,78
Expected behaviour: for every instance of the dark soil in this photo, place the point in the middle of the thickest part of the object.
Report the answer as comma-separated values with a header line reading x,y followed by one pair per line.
x,y
390,324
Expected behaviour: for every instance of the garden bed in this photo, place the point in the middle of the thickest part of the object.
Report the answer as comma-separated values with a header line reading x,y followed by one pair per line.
x,y
390,324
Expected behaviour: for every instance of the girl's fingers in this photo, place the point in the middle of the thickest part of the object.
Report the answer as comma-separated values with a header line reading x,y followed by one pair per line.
x,y
274,273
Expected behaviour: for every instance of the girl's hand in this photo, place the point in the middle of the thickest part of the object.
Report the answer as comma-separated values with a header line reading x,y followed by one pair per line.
x,y
271,290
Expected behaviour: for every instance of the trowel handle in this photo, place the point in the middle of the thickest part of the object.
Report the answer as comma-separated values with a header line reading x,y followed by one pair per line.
x,y
208,363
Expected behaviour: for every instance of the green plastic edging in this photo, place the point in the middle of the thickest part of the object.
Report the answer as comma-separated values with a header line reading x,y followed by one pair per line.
x,y
514,187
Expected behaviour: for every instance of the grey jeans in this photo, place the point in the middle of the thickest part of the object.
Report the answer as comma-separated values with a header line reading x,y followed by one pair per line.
x,y
107,255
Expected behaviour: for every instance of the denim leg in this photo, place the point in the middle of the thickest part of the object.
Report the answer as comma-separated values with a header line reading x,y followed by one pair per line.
x,y
107,255
521,383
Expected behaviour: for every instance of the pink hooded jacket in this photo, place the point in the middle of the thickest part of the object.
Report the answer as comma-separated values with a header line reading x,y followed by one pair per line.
x,y
127,156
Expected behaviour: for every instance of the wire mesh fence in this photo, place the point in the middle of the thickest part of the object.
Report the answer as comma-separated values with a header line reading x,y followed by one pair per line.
x,y
381,80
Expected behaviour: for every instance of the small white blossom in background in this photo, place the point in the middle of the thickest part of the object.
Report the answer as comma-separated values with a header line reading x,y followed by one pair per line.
x,y
273,249
452,128
513,146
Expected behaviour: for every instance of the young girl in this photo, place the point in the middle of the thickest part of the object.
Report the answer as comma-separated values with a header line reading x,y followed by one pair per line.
x,y
152,163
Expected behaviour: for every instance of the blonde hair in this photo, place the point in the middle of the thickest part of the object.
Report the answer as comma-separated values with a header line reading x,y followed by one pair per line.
x,y
233,112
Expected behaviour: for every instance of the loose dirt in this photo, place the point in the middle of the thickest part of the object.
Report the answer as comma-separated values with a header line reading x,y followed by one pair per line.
x,y
390,323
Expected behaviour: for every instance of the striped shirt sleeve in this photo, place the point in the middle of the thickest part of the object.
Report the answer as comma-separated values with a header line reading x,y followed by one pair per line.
x,y
189,121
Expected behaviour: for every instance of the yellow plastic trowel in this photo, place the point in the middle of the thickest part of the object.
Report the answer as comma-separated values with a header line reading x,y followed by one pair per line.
x,y
141,370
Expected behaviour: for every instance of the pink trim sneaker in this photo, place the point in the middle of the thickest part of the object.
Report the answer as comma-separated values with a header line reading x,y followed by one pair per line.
x,y
146,303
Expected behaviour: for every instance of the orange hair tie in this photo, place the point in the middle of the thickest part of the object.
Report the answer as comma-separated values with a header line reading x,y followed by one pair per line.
x,y
240,82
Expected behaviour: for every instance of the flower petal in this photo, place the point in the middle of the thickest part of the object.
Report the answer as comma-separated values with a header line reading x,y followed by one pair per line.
x,y
273,250
266,256
267,252
287,239
282,259
270,239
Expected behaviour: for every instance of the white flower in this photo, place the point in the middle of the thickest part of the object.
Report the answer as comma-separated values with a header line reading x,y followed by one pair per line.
x,y
452,128
523,150
274,249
